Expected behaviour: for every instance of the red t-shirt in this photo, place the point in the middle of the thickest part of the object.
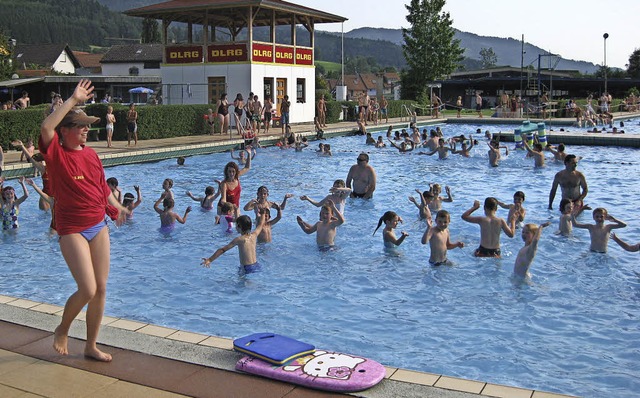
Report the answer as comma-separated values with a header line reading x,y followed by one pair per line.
x,y
78,183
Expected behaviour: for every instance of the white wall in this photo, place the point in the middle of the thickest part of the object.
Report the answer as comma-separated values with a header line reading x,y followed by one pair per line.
x,y
64,64
122,69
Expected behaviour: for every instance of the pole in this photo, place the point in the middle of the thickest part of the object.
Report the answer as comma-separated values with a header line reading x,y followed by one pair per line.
x,y
605,36
521,65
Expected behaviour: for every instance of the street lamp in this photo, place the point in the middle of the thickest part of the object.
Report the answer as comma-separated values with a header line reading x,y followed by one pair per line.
x,y
605,36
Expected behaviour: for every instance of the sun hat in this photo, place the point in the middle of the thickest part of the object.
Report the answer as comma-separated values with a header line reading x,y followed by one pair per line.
x,y
77,117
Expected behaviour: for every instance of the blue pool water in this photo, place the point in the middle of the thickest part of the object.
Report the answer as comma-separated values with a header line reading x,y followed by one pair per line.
x,y
573,329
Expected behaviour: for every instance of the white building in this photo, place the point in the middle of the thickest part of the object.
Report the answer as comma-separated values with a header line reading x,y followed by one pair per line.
x,y
199,72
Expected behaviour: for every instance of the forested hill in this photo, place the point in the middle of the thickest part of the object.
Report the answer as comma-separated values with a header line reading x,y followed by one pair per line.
x,y
79,23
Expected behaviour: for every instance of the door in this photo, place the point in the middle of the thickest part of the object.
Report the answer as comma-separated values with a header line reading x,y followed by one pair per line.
x,y
217,87
268,89
281,91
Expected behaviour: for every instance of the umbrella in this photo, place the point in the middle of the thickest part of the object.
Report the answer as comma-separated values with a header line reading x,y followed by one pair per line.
x,y
140,90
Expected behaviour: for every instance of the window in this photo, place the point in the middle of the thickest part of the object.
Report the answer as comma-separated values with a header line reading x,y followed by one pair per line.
x,y
301,91
134,71
152,65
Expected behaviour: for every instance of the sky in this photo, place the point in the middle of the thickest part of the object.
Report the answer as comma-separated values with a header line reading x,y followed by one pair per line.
x,y
573,29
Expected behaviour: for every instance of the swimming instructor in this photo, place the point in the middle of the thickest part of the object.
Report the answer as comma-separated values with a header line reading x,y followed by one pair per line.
x,y
363,177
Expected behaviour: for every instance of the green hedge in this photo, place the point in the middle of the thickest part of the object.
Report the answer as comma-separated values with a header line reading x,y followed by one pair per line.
x,y
20,124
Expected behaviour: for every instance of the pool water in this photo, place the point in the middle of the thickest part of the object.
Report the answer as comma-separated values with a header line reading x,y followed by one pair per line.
x,y
572,329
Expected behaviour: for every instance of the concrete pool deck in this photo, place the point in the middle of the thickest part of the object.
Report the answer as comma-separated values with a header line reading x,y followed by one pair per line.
x,y
154,361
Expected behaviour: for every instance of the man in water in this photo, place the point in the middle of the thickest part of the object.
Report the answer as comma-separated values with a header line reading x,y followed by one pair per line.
x,y
363,177
572,183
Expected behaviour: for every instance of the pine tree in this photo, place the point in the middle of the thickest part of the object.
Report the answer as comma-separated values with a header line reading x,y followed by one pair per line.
x,y
150,31
429,46
633,70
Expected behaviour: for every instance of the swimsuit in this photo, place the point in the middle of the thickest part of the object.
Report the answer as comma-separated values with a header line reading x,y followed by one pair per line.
x,y
165,229
238,111
438,263
10,218
223,109
91,232
250,268
233,195
357,195
484,252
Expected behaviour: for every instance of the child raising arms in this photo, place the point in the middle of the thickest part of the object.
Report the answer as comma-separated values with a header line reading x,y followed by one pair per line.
x,y
599,231
338,193
391,220
10,206
206,201
515,210
246,243
490,227
327,225
167,216
426,198
531,236
439,238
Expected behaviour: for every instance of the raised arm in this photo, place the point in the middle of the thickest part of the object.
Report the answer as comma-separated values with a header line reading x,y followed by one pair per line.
x,y
313,202
284,201
156,206
40,192
509,228
467,214
247,165
183,219
336,213
37,165
308,229
625,245
82,93
25,193
449,198
206,261
139,196
278,216
617,223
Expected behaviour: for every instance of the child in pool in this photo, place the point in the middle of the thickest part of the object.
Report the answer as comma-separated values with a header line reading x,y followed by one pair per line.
x,y
206,201
443,151
439,238
246,243
515,210
129,203
391,220
112,182
426,198
436,203
168,217
625,245
599,231
380,143
494,152
566,208
327,150
261,201
167,184
330,220
229,212
530,235
265,234
338,193
242,156
490,227
10,206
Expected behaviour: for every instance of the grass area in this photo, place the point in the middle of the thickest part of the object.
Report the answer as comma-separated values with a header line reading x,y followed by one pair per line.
x,y
330,66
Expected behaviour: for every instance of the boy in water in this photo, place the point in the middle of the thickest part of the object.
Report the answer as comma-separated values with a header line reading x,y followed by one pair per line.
x,y
535,152
129,203
439,239
261,201
599,231
265,234
426,198
490,227
167,216
515,210
531,236
494,152
443,151
246,243
436,190
566,208
326,227
338,193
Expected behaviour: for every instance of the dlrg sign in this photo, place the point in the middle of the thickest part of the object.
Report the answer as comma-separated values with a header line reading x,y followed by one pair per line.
x,y
183,55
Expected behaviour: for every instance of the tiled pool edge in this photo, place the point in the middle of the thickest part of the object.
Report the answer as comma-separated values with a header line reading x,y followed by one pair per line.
x,y
217,352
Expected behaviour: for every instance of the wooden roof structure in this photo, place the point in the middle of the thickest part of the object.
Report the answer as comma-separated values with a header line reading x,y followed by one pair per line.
x,y
232,13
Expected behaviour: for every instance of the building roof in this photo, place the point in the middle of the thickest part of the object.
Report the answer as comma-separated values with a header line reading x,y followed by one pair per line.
x,y
233,12
88,60
510,71
134,53
42,54
20,82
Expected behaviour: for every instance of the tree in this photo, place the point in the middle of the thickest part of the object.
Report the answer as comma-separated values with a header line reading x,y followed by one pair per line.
x,y
429,46
150,31
488,57
7,66
633,70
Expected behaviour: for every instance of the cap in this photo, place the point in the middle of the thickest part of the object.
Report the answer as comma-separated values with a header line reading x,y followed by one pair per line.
x,y
79,118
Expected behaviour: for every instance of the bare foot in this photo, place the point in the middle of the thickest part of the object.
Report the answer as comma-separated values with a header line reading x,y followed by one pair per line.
x,y
60,342
97,355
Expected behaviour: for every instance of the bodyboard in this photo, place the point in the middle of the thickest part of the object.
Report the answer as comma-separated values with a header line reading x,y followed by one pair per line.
x,y
322,370
272,348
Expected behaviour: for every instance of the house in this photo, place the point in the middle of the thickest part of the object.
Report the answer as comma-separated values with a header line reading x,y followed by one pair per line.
x,y
49,57
89,63
133,60
368,83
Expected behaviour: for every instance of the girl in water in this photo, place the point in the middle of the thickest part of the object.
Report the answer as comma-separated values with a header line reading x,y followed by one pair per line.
x,y
391,220
10,206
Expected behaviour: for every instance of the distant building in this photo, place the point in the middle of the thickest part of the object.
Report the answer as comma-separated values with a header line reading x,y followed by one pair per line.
x,y
133,60
368,83
56,58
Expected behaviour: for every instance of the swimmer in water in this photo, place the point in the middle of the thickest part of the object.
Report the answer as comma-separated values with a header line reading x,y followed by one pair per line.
x,y
167,216
439,239
391,220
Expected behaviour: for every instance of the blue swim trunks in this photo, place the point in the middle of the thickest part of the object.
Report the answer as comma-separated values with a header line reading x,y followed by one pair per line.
x,y
250,268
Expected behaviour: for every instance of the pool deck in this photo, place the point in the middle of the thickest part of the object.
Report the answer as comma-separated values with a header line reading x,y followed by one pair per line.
x,y
154,361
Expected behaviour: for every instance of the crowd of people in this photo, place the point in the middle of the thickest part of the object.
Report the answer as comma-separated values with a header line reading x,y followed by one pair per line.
x,y
81,198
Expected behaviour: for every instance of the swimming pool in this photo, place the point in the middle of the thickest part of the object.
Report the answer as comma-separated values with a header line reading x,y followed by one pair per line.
x,y
573,329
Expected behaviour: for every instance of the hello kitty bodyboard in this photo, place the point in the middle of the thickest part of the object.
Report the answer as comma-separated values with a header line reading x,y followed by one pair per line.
x,y
322,370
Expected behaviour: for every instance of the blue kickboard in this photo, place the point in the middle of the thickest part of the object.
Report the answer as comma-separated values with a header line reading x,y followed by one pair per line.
x,y
272,348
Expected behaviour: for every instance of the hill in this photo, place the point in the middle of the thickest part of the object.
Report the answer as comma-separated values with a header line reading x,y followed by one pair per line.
x,y
507,49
